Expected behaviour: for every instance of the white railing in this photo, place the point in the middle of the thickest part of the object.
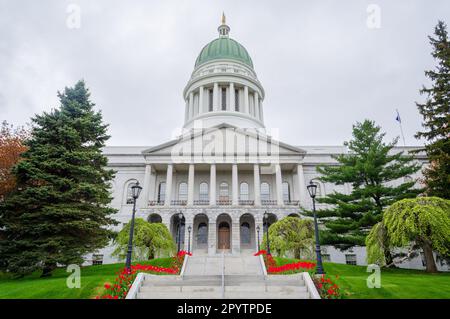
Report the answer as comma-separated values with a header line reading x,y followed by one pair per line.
x,y
136,286
310,286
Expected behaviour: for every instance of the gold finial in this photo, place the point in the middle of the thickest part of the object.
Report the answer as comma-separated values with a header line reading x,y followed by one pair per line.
x,y
223,18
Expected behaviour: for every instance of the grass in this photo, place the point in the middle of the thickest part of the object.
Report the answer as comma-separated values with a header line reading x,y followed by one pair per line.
x,y
395,283
92,280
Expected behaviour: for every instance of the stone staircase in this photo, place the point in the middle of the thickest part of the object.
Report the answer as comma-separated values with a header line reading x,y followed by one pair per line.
x,y
224,277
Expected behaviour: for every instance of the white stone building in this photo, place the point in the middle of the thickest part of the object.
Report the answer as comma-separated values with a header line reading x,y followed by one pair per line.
x,y
225,170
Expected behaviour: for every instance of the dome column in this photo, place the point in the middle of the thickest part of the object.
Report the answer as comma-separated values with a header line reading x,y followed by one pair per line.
x,y
200,100
191,105
216,97
246,104
256,105
232,97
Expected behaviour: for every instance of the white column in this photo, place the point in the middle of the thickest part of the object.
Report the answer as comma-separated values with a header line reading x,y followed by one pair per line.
x,y
212,238
301,185
279,182
191,105
190,200
169,184
261,111
246,104
216,105
257,185
200,101
235,184
146,186
235,237
212,185
256,104
186,112
232,97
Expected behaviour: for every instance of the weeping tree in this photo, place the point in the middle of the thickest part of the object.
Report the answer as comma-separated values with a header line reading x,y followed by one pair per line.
x,y
291,234
422,221
149,240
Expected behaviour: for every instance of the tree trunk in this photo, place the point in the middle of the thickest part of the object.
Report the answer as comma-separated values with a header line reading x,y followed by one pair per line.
x,y
429,258
47,270
389,259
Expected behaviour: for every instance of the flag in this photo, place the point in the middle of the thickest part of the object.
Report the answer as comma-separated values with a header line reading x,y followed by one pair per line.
x,y
398,119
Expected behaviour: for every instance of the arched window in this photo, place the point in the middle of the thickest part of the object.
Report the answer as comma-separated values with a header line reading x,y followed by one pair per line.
x,y
155,218
223,191
245,233
244,191
129,198
183,191
286,192
265,191
204,192
162,192
202,234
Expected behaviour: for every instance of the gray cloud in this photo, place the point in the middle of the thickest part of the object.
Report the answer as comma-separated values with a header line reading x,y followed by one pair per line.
x,y
321,67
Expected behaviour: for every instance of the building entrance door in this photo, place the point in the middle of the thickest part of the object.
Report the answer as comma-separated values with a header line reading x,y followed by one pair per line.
x,y
224,236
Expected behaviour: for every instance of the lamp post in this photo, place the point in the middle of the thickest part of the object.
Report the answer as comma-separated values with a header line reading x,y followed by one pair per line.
x,y
189,238
180,217
312,189
257,230
135,191
266,218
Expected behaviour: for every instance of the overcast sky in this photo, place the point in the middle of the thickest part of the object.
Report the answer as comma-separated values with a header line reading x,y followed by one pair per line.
x,y
322,67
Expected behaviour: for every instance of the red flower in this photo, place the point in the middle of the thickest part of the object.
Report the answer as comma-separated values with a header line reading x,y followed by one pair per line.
x,y
107,286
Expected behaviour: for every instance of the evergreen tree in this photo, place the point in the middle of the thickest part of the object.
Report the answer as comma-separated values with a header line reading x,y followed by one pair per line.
x,y
436,117
59,209
370,167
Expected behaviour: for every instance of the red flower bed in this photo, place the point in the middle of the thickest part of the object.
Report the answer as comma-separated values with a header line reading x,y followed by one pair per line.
x,y
261,252
327,288
291,267
125,279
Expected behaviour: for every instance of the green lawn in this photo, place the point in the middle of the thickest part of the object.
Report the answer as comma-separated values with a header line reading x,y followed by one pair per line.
x,y
395,283
92,280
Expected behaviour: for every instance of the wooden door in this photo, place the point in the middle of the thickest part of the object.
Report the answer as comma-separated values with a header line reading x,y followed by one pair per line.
x,y
224,237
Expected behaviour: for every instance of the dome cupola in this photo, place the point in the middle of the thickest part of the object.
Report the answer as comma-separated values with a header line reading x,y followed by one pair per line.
x,y
223,87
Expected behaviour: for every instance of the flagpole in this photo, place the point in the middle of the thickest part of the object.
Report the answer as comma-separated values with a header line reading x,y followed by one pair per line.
x,y
401,128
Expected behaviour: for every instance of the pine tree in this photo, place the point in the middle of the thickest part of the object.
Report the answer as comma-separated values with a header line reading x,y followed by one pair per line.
x,y
436,117
59,210
369,166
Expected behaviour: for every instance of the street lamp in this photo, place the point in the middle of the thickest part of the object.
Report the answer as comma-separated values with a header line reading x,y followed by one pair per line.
x,y
135,191
189,238
180,217
266,218
312,189
257,230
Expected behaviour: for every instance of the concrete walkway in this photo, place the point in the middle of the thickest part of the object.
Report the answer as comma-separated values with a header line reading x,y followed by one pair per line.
x,y
243,279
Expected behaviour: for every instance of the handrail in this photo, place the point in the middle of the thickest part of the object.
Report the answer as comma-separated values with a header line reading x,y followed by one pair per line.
x,y
223,275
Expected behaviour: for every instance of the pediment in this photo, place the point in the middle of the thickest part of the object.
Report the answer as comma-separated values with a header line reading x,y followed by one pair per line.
x,y
223,142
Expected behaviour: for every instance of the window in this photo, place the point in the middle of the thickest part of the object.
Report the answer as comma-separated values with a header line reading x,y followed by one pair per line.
x,y
130,199
325,257
224,99
210,100
162,192
245,233
183,191
155,218
244,191
265,191
236,100
223,191
204,192
97,259
422,257
286,193
350,259
202,234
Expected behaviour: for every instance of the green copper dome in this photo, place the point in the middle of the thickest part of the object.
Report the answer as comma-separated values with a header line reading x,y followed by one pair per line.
x,y
224,48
